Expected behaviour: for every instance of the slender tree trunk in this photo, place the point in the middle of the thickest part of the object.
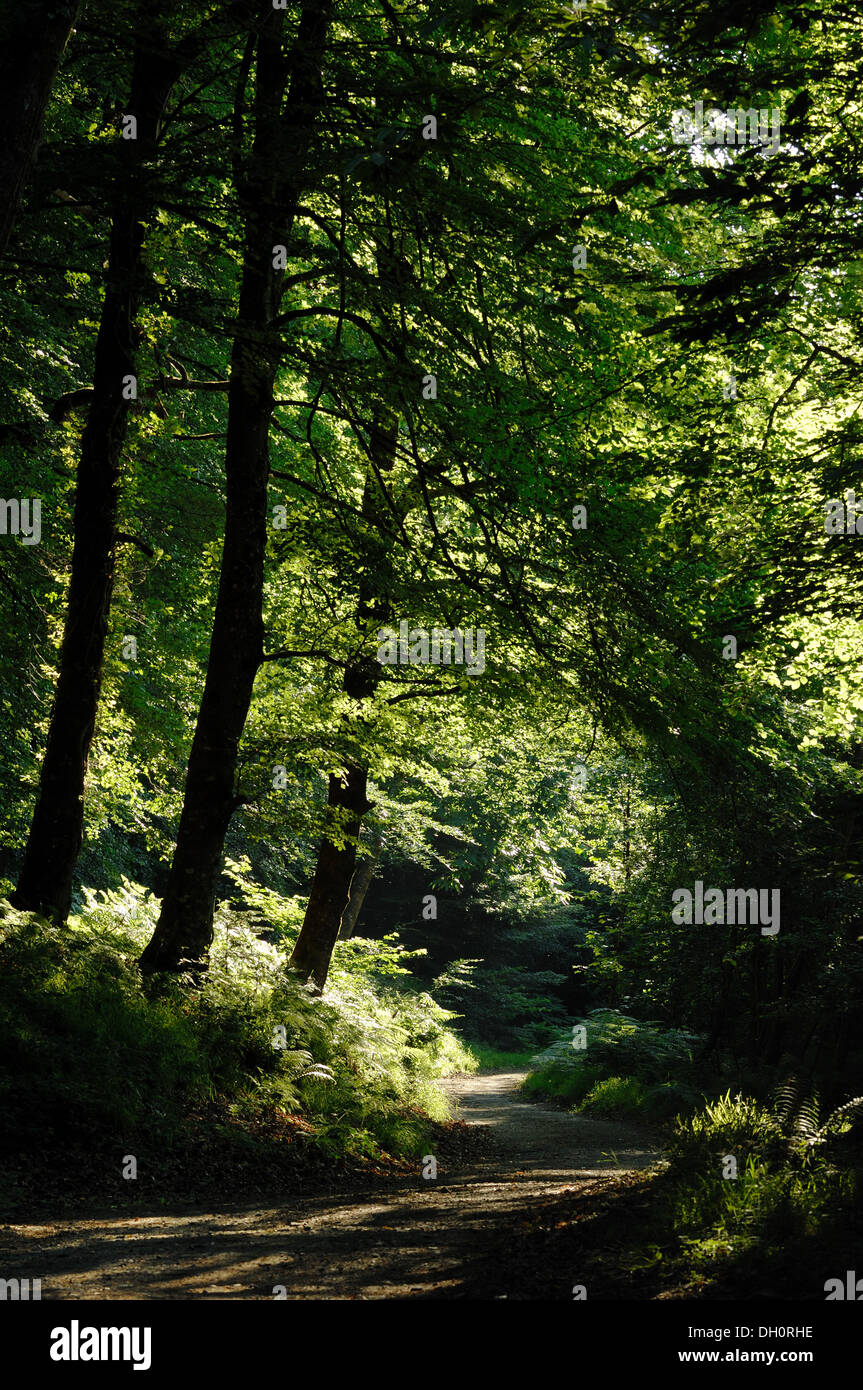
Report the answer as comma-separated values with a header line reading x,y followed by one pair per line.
x,y
346,800
54,842
334,870
270,198
360,883
33,35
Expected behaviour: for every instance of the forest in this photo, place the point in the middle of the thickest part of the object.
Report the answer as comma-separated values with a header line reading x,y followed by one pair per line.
x,y
431,682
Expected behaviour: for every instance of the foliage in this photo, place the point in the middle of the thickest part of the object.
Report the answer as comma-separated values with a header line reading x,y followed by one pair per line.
x,y
87,1053
626,1066
694,385
779,1193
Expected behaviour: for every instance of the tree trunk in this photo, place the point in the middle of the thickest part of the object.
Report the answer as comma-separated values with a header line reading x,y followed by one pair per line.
x,y
54,842
33,35
346,801
363,875
346,806
270,198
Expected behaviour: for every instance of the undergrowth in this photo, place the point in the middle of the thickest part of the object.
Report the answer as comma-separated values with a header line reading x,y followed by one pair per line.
x,y
611,1064
743,1181
88,1055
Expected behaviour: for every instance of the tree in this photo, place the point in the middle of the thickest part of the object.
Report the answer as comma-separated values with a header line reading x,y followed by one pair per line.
x,y
347,801
270,194
54,842
33,35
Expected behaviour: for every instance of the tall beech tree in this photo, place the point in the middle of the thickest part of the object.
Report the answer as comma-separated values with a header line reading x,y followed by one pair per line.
x,y
269,196
54,842
288,98
270,192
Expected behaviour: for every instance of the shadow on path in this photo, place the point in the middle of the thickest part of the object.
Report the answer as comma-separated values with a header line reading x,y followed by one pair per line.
x,y
401,1241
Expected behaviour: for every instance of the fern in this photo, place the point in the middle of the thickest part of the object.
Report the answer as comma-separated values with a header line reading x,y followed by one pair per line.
x,y
799,1116
843,1117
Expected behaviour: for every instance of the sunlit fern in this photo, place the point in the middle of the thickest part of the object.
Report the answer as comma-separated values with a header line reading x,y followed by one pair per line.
x,y
798,1112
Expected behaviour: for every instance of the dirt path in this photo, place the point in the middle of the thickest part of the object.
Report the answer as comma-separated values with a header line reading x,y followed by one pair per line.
x,y
399,1242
